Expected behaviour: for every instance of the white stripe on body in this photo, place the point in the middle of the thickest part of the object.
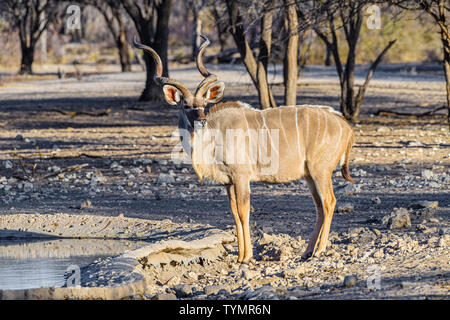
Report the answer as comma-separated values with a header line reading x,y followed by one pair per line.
x,y
298,133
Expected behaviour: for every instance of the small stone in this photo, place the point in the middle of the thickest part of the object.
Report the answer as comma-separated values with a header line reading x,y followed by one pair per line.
x,y
376,200
293,272
19,137
165,178
427,174
182,290
383,129
7,164
425,212
397,219
213,289
349,281
378,254
425,204
85,205
346,207
444,241
376,232
347,189
249,274
165,296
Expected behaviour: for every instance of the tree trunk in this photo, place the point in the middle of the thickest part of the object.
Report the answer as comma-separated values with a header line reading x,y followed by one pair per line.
x,y
266,99
362,90
124,55
152,91
221,29
27,60
255,69
347,103
327,56
291,55
446,61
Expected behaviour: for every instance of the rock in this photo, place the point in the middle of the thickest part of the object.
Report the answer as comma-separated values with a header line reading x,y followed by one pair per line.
x,y
19,137
85,205
165,296
347,189
413,143
359,173
376,200
346,207
444,241
293,272
214,289
249,274
7,164
27,186
378,254
114,165
173,281
376,232
425,212
182,290
397,219
349,281
427,174
165,178
366,236
383,129
425,205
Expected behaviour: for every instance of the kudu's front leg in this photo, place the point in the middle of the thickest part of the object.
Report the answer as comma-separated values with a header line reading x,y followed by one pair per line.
x,y
234,210
242,192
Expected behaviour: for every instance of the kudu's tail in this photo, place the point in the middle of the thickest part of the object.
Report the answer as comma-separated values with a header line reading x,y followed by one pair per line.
x,y
344,167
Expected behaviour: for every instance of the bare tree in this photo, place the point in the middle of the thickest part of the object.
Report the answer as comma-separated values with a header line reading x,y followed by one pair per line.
x,y
31,18
439,10
151,19
196,7
298,17
256,67
113,13
221,25
291,54
350,14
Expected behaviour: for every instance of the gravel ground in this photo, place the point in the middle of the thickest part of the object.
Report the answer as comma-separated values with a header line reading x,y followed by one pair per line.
x,y
382,225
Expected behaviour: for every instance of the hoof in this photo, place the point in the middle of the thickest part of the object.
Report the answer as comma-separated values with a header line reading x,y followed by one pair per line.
x,y
306,256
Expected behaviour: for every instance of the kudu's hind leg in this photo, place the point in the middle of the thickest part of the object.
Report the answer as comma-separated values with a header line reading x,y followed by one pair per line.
x,y
329,201
315,191
237,221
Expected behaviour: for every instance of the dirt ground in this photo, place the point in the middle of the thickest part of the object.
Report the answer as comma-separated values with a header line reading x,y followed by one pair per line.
x,y
397,162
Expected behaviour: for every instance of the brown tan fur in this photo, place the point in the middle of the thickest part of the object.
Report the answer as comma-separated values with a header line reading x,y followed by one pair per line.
x,y
312,141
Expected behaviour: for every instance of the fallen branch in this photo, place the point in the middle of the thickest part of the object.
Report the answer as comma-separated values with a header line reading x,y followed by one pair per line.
x,y
73,114
385,112
68,169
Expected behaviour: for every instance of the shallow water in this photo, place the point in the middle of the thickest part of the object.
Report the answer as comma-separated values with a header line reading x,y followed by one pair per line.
x,y
26,264
38,272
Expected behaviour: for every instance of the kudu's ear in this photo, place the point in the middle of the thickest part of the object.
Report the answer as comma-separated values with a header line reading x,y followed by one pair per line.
x,y
214,92
171,94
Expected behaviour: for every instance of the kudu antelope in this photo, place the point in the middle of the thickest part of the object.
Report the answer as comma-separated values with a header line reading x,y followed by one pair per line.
x,y
303,141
